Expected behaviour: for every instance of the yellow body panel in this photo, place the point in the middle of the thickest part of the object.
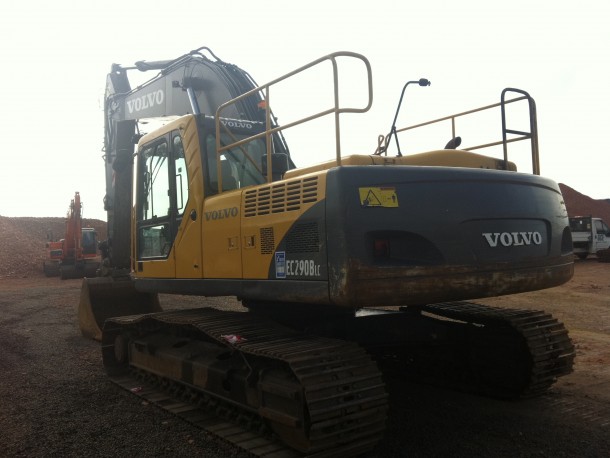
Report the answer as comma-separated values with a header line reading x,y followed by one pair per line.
x,y
442,158
221,236
452,158
157,268
187,250
262,230
256,263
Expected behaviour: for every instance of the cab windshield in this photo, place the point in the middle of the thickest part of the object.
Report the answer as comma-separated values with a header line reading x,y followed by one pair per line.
x,y
240,166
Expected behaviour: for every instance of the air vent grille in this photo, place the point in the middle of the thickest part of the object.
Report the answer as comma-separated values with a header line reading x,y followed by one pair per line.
x,y
303,238
280,197
267,240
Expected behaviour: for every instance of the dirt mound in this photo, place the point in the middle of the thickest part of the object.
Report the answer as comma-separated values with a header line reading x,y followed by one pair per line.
x,y
580,205
22,245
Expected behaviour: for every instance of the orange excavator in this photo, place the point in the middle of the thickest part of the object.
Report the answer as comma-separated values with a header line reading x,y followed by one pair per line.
x,y
74,256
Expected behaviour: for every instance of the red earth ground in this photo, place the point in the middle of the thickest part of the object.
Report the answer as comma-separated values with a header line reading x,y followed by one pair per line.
x,y
55,400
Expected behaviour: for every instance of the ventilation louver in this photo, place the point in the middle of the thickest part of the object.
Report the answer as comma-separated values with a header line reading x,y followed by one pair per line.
x,y
267,240
280,197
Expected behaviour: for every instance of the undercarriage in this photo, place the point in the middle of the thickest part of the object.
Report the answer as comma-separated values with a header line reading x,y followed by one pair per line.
x,y
314,387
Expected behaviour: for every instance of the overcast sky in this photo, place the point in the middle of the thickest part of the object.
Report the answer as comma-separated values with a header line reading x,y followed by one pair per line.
x,y
55,57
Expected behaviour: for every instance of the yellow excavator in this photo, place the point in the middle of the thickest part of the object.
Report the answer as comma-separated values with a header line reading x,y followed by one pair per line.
x,y
343,268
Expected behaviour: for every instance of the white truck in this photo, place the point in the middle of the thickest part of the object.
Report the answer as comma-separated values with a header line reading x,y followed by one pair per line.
x,y
590,236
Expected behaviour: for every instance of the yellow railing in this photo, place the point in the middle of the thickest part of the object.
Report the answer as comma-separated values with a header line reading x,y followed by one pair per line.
x,y
265,92
383,142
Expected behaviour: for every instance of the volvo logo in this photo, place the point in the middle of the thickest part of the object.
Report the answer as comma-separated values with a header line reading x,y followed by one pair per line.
x,y
146,101
512,238
222,213
236,124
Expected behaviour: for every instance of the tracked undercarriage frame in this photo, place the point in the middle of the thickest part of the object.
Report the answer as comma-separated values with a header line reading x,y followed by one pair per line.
x,y
325,396
314,393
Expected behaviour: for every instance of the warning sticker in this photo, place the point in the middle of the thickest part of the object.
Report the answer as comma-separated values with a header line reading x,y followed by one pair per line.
x,y
378,197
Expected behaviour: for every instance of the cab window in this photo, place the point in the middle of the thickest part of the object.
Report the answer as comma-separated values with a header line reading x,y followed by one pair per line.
x,y
163,189
182,182
240,166
155,202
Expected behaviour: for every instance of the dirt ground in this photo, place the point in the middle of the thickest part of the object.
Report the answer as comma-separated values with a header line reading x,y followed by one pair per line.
x,y
55,399
583,305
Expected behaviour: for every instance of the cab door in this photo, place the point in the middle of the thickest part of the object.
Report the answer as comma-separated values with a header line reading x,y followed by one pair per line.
x,y
162,198
158,209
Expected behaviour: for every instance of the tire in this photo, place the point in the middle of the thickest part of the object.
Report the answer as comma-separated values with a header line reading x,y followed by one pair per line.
x,y
603,255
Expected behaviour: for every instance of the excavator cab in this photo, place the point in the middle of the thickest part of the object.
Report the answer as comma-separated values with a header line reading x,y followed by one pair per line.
x,y
180,183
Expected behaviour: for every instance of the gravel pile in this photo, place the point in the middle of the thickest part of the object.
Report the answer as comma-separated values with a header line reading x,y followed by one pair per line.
x,y
22,245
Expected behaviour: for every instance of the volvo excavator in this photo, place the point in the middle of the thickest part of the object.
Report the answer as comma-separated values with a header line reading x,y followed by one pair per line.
x,y
346,269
